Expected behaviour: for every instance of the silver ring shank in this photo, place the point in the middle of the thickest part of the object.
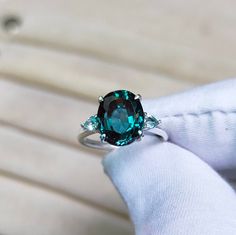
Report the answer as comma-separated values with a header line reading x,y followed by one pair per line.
x,y
84,140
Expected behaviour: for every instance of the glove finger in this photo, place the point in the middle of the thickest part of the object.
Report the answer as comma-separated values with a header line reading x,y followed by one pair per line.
x,y
202,120
169,190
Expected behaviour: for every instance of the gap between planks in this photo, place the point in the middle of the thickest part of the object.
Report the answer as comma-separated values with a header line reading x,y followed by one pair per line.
x,y
168,38
106,59
52,119
48,213
53,140
67,195
79,76
58,170
20,102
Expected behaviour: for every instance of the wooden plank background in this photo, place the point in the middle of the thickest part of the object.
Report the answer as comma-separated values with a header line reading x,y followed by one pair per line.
x,y
56,58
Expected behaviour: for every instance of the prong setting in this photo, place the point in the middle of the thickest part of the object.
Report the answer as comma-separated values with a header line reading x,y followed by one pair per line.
x,y
82,125
103,137
141,135
100,99
120,121
138,97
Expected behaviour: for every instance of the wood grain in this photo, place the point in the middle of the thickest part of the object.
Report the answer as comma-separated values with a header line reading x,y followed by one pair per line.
x,y
59,168
53,116
182,39
27,210
79,76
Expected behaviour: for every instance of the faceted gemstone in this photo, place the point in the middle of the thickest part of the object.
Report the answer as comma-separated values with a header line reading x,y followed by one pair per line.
x,y
151,122
121,117
91,124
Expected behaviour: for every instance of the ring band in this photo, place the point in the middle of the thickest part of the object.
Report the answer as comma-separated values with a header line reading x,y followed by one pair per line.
x,y
86,141
120,121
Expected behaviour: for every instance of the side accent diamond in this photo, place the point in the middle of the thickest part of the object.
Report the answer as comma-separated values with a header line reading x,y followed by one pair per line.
x,y
151,122
91,124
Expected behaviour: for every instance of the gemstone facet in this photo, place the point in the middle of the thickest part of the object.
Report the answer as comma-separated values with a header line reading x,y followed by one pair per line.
x,y
151,122
91,124
121,117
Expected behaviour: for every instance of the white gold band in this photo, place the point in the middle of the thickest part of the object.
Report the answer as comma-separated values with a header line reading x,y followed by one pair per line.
x,y
86,141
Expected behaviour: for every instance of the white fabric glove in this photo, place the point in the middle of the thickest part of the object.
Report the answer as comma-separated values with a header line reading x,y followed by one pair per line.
x,y
170,187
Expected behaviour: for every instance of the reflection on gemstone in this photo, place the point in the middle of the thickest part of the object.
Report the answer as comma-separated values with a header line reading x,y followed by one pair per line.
x,y
121,117
120,120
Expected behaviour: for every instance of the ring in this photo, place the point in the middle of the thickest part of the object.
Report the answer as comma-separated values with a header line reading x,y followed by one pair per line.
x,y
120,121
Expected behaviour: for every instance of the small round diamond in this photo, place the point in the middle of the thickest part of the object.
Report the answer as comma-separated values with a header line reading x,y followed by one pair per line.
x,y
121,117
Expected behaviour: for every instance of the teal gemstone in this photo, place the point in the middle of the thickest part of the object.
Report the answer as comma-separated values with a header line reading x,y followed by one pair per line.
x,y
151,122
121,117
91,124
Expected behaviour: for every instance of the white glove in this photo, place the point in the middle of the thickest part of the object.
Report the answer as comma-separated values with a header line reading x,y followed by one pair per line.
x,y
169,187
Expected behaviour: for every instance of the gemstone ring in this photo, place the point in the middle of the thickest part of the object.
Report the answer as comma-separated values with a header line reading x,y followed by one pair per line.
x,y
120,121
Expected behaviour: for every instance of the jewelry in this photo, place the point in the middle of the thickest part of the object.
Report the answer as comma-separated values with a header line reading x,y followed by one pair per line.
x,y
120,121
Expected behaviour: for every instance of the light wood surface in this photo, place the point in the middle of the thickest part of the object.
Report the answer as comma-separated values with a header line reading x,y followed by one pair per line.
x,y
56,57
58,117
28,210
183,39
71,171
77,75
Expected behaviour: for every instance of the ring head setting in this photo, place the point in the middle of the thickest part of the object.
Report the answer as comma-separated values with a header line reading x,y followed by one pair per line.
x,y
121,117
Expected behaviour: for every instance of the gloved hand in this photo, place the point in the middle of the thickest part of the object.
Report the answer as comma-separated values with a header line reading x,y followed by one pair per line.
x,y
172,188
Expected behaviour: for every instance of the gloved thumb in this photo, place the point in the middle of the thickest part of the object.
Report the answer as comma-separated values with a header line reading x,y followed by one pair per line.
x,y
202,120
169,190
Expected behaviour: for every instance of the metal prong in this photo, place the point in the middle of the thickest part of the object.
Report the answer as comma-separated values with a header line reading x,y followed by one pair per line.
x,y
100,99
138,97
103,137
82,125
140,133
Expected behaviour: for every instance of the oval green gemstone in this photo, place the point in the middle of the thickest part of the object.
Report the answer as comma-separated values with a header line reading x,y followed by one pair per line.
x,y
121,117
